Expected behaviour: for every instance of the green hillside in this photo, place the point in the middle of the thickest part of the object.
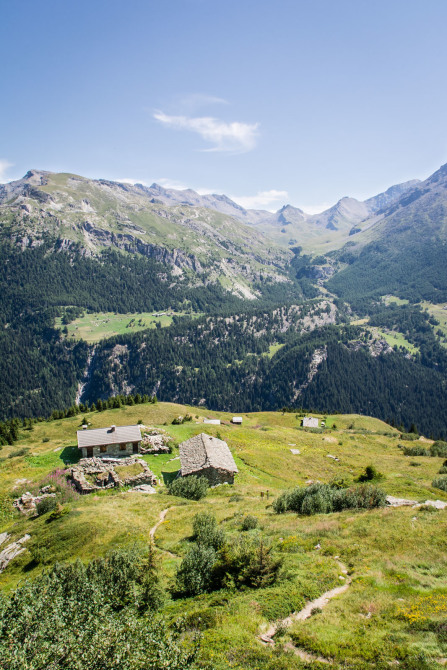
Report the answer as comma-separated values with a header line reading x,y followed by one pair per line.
x,y
394,608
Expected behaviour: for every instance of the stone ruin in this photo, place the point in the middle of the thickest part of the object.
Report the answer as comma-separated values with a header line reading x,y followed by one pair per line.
x,y
27,503
154,442
95,474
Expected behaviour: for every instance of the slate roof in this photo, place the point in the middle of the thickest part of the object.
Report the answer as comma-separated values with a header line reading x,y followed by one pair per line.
x,y
204,451
101,436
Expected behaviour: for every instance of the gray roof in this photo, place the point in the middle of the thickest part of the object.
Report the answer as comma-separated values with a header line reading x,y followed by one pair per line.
x,y
204,451
101,436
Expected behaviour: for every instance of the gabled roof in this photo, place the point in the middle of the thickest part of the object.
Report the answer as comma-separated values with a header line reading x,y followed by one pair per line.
x,y
204,451
101,436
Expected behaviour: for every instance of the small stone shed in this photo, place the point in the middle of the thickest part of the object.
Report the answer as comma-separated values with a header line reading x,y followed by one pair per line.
x,y
206,456
237,420
310,422
114,441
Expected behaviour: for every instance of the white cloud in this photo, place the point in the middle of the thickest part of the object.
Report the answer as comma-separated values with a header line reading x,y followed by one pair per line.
x,y
194,101
4,166
262,200
235,137
316,209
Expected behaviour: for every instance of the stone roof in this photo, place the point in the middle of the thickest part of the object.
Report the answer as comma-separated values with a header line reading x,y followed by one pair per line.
x,y
111,435
204,451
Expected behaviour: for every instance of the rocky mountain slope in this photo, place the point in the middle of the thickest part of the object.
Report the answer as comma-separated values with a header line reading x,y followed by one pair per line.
x,y
195,241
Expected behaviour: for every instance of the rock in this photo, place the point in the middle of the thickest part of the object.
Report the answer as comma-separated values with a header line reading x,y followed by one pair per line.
x,y
11,551
296,452
143,488
334,457
439,504
3,537
399,502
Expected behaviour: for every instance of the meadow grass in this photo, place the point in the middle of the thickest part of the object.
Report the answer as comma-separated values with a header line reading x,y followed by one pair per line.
x,y
396,556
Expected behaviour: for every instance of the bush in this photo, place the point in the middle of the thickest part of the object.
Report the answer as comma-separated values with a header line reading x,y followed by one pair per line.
x,y
370,474
439,448
46,505
206,531
246,562
323,499
192,487
18,452
443,470
249,523
57,513
415,451
440,483
409,436
46,439
194,575
58,481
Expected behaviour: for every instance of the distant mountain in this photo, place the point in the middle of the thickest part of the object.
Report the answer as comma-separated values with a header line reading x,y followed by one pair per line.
x,y
195,240
402,250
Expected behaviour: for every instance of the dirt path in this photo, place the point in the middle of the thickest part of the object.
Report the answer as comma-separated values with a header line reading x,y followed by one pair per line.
x,y
305,613
153,530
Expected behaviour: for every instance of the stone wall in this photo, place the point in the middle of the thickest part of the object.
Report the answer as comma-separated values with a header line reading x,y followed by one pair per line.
x,y
114,450
216,476
93,474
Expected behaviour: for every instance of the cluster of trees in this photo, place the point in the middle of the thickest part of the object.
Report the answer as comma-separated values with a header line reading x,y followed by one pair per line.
x,y
92,617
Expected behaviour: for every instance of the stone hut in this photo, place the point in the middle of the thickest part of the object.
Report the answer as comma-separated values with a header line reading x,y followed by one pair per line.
x,y
115,441
206,456
309,422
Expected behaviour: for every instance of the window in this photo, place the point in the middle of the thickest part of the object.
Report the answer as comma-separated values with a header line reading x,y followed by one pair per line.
x,y
103,448
122,447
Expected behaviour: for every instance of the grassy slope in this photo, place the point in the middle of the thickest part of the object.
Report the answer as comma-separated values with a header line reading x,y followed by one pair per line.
x,y
395,555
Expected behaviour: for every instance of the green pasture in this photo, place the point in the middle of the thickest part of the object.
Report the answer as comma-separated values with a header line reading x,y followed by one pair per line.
x,y
396,557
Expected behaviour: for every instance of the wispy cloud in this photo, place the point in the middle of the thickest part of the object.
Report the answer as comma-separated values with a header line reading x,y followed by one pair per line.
x,y
262,200
4,166
194,101
235,137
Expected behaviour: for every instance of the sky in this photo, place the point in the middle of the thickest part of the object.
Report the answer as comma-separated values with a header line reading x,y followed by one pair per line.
x,y
268,101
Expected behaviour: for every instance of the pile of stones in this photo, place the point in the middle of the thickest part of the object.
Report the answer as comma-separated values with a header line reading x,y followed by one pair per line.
x,y
27,503
155,442
93,474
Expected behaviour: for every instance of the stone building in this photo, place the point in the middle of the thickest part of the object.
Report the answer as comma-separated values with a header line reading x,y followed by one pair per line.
x,y
115,441
309,422
206,456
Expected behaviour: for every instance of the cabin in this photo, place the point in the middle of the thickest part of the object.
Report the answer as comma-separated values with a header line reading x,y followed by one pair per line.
x,y
115,441
237,420
206,456
213,422
309,422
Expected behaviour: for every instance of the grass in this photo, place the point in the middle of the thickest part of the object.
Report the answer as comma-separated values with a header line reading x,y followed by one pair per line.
x,y
93,327
440,314
126,471
397,556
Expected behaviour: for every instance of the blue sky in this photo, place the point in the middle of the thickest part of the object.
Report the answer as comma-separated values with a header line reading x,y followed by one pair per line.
x,y
267,101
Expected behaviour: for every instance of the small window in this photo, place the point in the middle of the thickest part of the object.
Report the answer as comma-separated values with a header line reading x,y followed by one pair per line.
x,y
122,447
103,448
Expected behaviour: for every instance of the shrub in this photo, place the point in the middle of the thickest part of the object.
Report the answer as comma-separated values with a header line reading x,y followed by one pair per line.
x,y
249,523
57,513
323,498
409,436
415,451
443,470
46,505
194,575
247,561
46,439
206,531
192,487
439,448
370,473
18,452
440,483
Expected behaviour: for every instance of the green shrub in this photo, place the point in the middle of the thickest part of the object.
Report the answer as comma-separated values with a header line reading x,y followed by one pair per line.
x,y
249,523
409,437
192,487
370,474
323,499
415,451
443,470
439,448
206,531
46,505
194,575
46,439
58,512
18,452
440,483
246,561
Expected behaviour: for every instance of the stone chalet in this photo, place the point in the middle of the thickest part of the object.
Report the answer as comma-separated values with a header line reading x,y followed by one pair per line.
x,y
115,441
310,422
206,456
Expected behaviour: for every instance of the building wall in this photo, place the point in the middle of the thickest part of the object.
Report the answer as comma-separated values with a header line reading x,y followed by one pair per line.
x,y
114,450
216,476
310,422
